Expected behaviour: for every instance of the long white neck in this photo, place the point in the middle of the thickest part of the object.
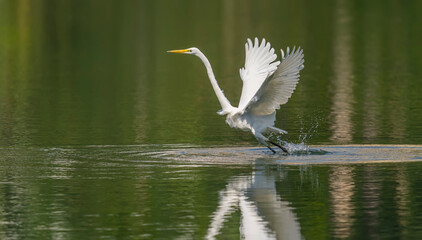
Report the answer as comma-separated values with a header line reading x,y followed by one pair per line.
x,y
224,102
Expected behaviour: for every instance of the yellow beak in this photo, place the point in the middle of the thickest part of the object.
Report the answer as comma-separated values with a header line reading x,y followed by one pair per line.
x,y
179,51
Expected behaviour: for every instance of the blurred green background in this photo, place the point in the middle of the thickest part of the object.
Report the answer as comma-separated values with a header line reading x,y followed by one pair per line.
x,y
97,71
79,73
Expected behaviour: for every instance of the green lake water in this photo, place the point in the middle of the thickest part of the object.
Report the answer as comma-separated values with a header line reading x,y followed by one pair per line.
x,y
104,135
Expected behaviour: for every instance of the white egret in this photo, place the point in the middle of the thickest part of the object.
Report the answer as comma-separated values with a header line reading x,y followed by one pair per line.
x,y
267,84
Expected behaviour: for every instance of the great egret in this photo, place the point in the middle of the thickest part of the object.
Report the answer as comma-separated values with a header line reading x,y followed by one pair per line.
x,y
266,86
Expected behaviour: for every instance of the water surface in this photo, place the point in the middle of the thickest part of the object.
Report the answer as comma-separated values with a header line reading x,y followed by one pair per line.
x,y
176,191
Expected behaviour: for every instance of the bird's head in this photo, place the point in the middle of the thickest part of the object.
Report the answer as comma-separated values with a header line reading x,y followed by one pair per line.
x,y
192,51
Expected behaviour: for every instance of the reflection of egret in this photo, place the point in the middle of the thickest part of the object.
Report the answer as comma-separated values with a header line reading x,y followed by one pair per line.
x,y
263,214
252,225
266,86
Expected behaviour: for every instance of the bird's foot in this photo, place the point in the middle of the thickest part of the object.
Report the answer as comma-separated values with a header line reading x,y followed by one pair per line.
x,y
272,150
281,147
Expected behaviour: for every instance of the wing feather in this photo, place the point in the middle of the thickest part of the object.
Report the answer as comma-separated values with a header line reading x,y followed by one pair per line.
x,y
279,87
259,64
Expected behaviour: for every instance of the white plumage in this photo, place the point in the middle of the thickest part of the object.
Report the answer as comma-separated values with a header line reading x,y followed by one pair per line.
x,y
259,64
267,84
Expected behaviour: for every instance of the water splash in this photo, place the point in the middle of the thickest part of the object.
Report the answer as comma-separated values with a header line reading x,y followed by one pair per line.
x,y
306,134
302,149
296,148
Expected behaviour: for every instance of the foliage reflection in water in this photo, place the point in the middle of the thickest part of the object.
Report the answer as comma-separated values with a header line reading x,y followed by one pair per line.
x,y
100,74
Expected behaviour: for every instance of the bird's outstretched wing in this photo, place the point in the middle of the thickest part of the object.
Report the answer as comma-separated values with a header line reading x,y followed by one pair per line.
x,y
259,64
278,88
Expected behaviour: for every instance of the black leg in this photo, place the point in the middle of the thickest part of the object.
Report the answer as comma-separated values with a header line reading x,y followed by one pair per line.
x,y
272,150
281,147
